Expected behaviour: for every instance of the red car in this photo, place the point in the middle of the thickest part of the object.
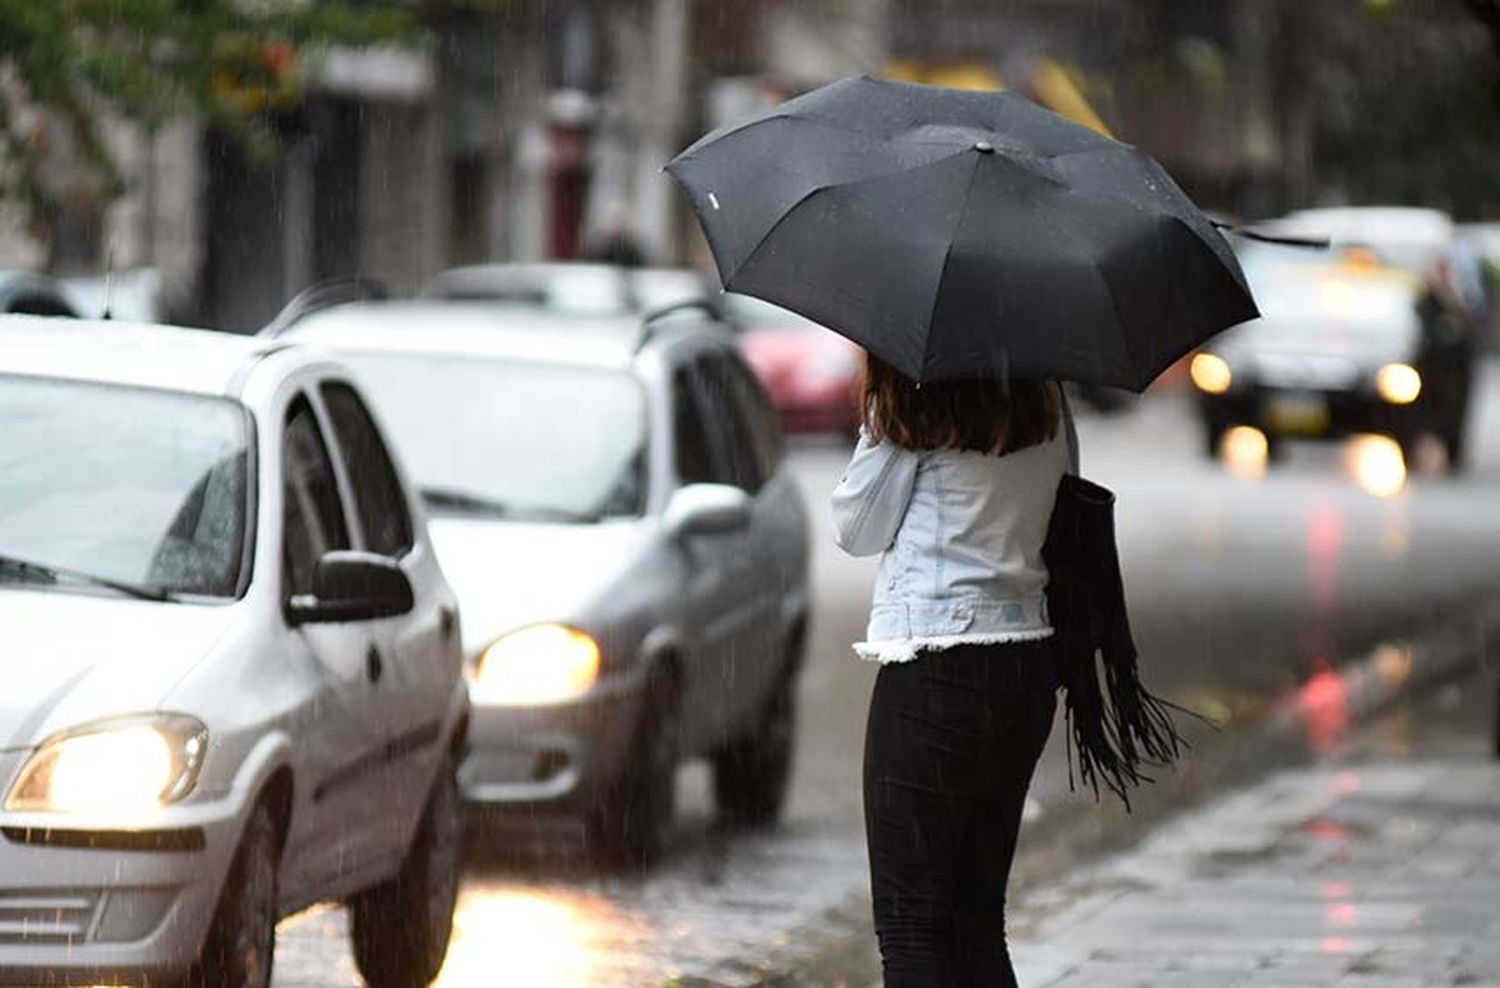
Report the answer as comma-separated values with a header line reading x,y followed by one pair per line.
x,y
811,373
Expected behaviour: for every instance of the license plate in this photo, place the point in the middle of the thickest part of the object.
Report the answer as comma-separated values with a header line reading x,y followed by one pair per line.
x,y
1301,414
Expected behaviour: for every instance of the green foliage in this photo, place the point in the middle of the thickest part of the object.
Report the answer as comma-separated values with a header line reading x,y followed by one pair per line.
x,y
1408,105
233,62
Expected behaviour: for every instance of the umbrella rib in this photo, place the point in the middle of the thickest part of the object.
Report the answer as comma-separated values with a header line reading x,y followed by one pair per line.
x,y
729,131
948,253
802,200
898,138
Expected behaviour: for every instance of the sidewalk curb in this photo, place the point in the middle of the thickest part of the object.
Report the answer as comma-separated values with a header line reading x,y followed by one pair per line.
x,y
1329,705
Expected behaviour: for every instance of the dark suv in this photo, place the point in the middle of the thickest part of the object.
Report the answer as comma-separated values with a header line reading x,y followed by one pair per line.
x,y
1344,345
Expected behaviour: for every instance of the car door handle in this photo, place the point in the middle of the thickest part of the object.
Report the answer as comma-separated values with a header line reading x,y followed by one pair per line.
x,y
374,664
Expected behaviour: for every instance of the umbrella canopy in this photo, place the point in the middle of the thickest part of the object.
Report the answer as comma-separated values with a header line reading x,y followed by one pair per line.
x,y
958,234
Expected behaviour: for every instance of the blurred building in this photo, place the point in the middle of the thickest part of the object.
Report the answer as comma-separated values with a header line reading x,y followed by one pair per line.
x,y
525,131
353,185
571,108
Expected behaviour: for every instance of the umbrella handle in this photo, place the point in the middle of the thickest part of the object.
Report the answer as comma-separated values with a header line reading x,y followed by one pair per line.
x,y
1312,243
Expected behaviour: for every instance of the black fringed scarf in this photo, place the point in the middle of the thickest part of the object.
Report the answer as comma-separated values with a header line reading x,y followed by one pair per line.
x,y
1117,727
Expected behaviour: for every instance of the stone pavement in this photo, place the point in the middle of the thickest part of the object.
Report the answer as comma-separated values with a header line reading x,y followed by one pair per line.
x,y
1376,868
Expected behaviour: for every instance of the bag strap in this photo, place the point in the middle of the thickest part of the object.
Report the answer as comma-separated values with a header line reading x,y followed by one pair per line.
x,y
1070,429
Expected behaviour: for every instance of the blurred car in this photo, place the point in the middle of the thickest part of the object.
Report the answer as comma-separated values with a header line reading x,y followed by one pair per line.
x,y
812,374
232,674
1477,275
1410,237
609,499
1344,345
578,288
31,294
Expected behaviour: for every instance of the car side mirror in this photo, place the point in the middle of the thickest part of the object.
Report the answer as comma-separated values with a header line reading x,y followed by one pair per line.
x,y
352,586
707,509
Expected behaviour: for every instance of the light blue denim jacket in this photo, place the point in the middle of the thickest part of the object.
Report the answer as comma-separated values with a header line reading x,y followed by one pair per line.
x,y
960,537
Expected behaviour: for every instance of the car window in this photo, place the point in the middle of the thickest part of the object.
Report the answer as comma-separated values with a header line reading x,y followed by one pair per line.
x,y
734,438
377,491
759,414
695,462
313,518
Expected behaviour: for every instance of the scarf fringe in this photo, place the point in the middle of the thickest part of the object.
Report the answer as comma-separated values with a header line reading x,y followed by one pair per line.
x,y
1119,729
1116,728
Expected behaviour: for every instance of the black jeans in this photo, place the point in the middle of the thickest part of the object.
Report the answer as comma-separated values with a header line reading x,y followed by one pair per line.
x,y
952,741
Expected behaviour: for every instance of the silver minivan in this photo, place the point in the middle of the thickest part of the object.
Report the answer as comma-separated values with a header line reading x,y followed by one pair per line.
x,y
609,497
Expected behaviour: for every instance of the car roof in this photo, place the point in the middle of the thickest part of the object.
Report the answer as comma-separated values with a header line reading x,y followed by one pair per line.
x,y
489,329
577,287
1370,224
140,354
1410,237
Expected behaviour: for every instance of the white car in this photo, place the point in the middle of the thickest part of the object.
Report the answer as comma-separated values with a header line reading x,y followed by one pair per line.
x,y
232,680
1410,237
609,498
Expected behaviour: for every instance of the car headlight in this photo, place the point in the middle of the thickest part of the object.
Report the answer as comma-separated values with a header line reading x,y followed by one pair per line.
x,y
1399,384
116,767
1210,373
543,663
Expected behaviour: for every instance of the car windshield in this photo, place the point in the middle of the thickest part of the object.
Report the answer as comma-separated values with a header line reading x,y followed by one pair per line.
x,y
108,484
1357,297
513,438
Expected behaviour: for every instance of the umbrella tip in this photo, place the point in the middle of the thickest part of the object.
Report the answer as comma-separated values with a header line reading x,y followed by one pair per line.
x,y
984,147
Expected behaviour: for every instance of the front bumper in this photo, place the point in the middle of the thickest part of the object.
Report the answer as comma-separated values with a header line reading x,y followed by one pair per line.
x,y
90,906
1312,414
555,758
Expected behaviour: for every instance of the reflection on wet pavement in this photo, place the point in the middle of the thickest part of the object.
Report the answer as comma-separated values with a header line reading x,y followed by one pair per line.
x,y
723,908
1245,452
1377,465
549,939
1380,866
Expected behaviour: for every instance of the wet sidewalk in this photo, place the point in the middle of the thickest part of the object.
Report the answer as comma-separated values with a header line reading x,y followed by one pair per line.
x,y
1377,867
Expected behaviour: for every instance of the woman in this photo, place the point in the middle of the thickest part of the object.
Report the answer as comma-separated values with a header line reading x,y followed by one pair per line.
x,y
953,484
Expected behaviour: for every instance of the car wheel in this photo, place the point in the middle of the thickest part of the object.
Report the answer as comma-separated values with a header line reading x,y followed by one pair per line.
x,y
752,773
1410,441
1213,438
401,928
1497,722
241,942
631,824
1456,448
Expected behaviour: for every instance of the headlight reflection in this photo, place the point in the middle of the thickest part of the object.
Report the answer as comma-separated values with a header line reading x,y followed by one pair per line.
x,y
1377,464
520,937
1245,451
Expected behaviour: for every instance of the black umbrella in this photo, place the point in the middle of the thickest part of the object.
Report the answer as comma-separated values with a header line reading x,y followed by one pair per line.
x,y
959,234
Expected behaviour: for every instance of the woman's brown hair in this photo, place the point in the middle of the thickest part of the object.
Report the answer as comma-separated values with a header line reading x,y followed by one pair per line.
x,y
989,415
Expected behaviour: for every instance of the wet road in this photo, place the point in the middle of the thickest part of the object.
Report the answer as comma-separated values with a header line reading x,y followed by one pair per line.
x,y
1240,589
